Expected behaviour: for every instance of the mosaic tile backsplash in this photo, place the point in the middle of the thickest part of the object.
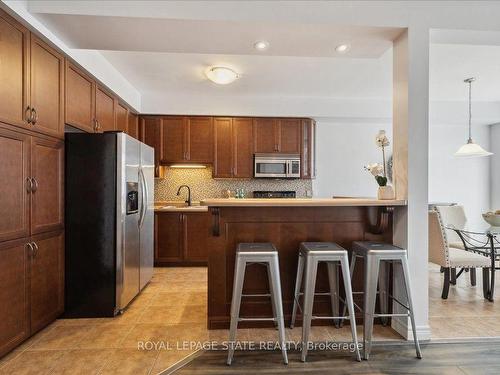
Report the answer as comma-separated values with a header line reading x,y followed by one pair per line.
x,y
204,186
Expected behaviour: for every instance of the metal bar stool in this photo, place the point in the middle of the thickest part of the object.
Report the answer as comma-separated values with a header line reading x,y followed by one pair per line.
x,y
267,255
311,253
378,257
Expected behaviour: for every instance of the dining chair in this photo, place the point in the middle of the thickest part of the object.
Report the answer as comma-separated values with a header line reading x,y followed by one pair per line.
x,y
450,254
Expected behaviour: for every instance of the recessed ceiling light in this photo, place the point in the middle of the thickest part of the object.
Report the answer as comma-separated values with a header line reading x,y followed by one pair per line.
x,y
221,75
261,45
342,48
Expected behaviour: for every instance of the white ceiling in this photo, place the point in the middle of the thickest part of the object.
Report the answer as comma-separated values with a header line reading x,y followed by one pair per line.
x,y
165,47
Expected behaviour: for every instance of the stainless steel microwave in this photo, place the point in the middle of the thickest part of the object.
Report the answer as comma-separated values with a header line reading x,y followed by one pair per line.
x,y
276,166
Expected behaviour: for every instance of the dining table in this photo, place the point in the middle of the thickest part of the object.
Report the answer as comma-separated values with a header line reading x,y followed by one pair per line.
x,y
484,240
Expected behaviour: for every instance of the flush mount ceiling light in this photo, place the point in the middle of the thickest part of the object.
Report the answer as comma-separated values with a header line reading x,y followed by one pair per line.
x,y
471,149
221,75
342,48
261,45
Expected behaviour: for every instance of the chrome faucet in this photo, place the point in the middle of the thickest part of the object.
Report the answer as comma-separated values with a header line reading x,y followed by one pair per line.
x,y
188,201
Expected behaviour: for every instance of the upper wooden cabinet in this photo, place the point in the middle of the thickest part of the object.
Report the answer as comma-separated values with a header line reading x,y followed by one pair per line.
x,y
223,147
79,99
46,88
308,151
151,134
233,147
133,125
199,145
277,135
174,140
121,117
32,80
265,135
187,139
14,72
104,110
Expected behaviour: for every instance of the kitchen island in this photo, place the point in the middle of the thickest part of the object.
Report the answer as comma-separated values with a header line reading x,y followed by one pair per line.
x,y
285,223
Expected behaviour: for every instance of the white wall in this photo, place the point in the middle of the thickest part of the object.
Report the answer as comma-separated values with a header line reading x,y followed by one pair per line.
x,y
495,166
343,149
470,182
461,180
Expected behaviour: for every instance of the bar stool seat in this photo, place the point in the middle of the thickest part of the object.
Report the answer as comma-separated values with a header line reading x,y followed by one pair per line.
x,y
266,255
377,257
310,255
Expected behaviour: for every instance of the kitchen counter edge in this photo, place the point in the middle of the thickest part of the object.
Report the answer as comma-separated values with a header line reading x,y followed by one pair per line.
x,y
299,202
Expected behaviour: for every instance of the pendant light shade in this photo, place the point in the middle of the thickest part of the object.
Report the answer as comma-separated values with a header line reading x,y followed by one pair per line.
x,y
471,149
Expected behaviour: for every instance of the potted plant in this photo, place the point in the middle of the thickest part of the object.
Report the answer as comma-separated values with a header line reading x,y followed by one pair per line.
x,y
379,171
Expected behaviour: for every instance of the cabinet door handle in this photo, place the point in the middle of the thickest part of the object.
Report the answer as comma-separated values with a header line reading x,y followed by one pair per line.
x,y
30,248
28,114
35,184
34,118
95,125
29,185
35,249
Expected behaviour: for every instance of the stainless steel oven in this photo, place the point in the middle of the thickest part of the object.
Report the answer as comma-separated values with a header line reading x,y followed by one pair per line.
x,y
276,166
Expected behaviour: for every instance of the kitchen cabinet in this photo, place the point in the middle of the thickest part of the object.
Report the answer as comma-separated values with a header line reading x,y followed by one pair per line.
x,y
289,141
133,125
277,135
14,310
180,238
32,293
308,149
174,140
79,99
121,117
15,148
151,134
14,69
168,238
34,195
46,88
187,139
233,147
32,76
47,197
46,279
265,135
199,145
223,148
104,110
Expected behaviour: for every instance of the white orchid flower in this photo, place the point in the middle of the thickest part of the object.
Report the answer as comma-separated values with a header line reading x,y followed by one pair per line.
x,y
381,139
375,169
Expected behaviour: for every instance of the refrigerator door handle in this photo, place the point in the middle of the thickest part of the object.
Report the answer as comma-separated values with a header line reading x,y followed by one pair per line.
x,y
144,201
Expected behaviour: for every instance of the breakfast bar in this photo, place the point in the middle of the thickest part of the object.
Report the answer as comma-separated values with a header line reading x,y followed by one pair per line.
x,y
285,223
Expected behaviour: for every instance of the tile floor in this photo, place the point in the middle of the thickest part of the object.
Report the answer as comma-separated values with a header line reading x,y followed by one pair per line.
x,y
465,314
170,312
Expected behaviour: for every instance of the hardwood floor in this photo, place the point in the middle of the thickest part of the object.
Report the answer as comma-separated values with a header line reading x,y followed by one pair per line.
x,y
465,314
442,359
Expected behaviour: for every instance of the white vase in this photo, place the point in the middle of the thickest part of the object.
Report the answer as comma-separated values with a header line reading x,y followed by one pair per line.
x,y
385,192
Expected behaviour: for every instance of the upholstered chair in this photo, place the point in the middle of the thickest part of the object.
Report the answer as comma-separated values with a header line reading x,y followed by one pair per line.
x,y
450,254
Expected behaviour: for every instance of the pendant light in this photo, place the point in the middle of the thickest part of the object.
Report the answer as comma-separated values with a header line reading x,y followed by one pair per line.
x,y
471,149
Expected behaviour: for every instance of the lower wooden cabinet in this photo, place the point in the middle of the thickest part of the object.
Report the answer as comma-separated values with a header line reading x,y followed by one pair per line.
x,y
180,238
46,279
14,300
32,286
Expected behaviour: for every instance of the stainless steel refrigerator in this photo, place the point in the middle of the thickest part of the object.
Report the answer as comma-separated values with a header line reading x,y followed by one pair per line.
x,y
109,221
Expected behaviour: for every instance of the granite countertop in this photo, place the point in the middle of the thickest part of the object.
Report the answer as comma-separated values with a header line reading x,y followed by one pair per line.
x,y
300,202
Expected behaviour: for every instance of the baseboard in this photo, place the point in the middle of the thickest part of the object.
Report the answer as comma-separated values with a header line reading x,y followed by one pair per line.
x,y
402,326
